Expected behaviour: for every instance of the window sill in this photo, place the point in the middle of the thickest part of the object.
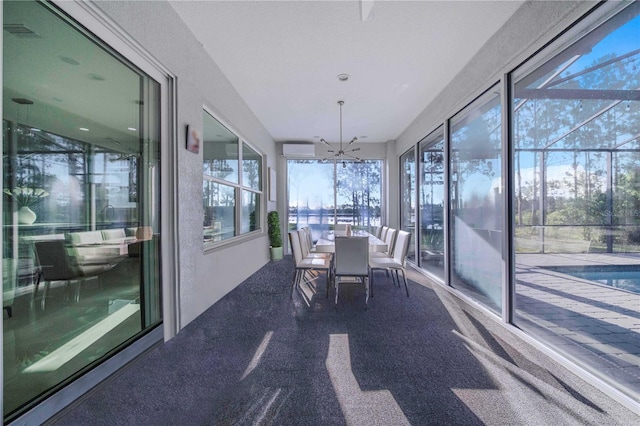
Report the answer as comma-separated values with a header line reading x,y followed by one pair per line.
x,y
210,247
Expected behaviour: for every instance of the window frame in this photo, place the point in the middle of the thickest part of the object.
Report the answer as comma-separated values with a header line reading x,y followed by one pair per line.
x,y
238,188
334,175
571,33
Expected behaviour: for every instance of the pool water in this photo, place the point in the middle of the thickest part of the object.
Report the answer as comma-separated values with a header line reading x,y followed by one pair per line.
x,y
626,277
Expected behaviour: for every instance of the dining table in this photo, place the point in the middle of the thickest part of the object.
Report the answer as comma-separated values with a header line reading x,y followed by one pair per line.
x,y
326,244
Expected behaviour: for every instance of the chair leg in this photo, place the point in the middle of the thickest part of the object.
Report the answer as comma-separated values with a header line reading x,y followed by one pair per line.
x,y
404,277
9,311
328,281
295,282
393,278
34,295
367,286
77,292
45,291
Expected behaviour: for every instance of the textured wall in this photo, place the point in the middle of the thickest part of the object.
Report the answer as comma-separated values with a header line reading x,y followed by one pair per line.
x,y
204,277
533,25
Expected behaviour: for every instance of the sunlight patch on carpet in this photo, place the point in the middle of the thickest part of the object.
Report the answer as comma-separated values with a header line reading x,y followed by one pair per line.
x,y
257,356
358,407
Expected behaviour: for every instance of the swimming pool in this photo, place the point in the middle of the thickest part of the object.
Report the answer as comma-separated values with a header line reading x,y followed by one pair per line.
x,y
625,277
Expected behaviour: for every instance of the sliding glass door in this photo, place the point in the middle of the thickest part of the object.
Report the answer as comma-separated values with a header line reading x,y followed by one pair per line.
x,y
81,212
408,198
576,198
432,203
476,200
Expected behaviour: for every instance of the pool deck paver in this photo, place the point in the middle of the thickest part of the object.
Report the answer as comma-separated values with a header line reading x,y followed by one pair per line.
x,y
597,325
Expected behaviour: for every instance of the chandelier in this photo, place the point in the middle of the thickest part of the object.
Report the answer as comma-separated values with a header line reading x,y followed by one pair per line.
x,y
341,154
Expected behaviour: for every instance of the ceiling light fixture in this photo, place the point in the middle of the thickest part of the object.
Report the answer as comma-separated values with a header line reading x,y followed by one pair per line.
x,y
96,77
339,154
20,30
68,60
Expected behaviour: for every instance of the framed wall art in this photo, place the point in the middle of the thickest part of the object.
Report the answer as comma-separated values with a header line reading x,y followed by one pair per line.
x,y
193,139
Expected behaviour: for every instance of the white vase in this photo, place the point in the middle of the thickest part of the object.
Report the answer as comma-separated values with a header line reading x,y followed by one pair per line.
x,y
26,216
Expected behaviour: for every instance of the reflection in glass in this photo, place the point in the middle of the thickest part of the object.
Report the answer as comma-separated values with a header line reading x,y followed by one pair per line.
x,y
81,273
251,168
222,184
408,197
432,202
250,211
476,206
576,200
219,203
220,150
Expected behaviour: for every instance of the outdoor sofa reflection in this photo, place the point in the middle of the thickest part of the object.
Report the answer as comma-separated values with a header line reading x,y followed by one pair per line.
x,y
82,255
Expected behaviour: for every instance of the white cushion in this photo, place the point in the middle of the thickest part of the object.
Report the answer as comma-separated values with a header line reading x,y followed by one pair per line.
x,y
113,234
87,237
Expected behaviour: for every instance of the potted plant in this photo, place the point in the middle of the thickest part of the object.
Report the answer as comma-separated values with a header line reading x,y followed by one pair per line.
x,y
275,236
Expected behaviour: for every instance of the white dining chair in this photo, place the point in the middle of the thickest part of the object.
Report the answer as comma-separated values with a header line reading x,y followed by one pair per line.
x,y
395,263
383,232
304,264
351,260
389,240
306,245
309,239
305,240
340,227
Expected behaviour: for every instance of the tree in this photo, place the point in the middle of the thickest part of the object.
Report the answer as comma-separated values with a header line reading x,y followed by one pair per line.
x,y
359,183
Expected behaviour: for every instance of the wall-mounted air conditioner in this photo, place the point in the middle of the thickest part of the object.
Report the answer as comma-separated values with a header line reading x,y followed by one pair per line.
x,y
298,150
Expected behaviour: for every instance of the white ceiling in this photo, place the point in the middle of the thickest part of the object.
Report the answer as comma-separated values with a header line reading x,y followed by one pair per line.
x,y
283,57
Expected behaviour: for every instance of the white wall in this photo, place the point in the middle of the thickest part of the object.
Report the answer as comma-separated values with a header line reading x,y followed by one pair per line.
x,y
533,25
204,278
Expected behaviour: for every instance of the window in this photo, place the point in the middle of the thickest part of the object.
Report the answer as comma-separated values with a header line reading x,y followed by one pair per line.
x,y
476,200
231,196
576,176
432,203
81,187
408,198
322,194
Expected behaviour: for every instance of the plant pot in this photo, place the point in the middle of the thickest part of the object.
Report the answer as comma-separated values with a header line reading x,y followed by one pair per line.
x,y
26,216
276,253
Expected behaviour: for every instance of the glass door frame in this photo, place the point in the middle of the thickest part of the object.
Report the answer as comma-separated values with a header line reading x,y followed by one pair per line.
x,y
88,17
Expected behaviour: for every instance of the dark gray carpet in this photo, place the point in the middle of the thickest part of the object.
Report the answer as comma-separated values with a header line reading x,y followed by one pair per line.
x,y
427,359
